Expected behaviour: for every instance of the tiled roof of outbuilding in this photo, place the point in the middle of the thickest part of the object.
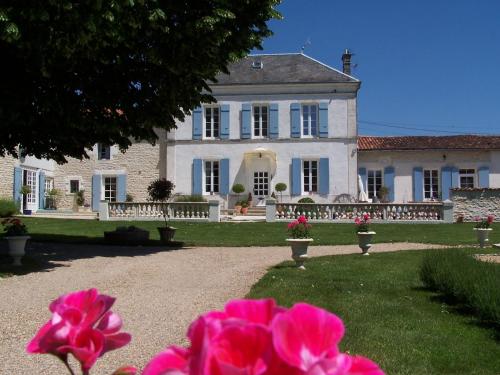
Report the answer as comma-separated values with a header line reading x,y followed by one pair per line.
x,y
452,142
281,69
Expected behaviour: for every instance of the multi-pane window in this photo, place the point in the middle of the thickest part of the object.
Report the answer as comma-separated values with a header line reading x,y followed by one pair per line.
x,y
310,180
467,178
211,176
103,152
49,185
30,180
309,120
431,184
212,122
110,189
374,183
74,186
260,121
261,184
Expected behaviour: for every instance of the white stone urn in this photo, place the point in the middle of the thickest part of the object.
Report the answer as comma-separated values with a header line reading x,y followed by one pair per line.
x,y
482,236
299,250
364,240
17,245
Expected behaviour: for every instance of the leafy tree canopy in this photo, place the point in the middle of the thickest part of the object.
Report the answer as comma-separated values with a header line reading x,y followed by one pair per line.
x,y
80,72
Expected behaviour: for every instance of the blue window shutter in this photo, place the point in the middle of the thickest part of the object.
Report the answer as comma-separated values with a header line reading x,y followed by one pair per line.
x,y
18,181
96,191
41,190
121,188
296,176
224,121
274,126
197,118
484,176
446,184
224,177
364,178
455,177
418,184
197,177
389,181
246,120
323,120
295,120
324,176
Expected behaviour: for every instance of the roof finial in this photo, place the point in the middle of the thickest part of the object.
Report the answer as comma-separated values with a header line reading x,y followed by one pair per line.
x,y
306,43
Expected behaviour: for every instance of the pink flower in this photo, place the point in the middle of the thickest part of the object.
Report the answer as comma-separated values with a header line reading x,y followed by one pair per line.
x,y
366,217
490,219
302,219
83,325
357,221
477,218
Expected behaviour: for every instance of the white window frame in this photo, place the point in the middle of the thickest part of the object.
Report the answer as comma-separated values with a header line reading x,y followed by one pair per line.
x,y
100,148
434,181
212,122
261,179
309,120
467,172
79,187
310,188
212,177
104,190
259,123
31,178
372,194
49,184
68,180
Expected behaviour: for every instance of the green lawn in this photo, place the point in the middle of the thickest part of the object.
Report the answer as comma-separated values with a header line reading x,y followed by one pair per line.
x,y
389,316
255,234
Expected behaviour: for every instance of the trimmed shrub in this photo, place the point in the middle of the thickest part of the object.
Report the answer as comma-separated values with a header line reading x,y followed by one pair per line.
x,y
465,281
8,207
306,200
190,198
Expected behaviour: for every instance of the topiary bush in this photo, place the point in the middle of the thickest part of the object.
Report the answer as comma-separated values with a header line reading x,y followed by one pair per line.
x,y
8,207
306,200
238,188
465,281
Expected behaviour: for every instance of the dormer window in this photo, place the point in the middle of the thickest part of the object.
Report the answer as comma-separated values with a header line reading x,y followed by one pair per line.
x,y
257,65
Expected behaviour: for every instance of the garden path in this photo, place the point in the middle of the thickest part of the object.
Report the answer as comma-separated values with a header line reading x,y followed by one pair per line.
x,y
158,293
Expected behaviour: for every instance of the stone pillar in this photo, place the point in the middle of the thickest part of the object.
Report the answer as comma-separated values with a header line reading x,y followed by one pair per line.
x,y
213,211
103,211
448,211
270,210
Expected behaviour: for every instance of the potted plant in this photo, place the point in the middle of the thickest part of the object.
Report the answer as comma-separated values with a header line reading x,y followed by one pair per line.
x,y
16,235
300,238
383,193
244,208
52,199
25,190
482,229
249,199
160,191
238,189
280,188
365,235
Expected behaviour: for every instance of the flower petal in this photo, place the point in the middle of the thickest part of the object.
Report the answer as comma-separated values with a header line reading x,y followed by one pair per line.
x,y
172,361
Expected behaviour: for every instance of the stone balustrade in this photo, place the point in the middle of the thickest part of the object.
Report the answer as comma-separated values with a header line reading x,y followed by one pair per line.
x,y
381,212
189,211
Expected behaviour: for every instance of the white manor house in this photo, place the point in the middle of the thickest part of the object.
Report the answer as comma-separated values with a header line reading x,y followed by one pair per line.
x,y
278,118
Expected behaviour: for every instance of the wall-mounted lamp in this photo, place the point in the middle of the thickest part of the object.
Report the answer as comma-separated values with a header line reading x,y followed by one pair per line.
x,y
444,156
260,155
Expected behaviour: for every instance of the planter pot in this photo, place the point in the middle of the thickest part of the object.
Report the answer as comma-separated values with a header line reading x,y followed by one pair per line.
x,y
244,210
237,209
364,240
482,236
17,245
299,250
27,212
166,234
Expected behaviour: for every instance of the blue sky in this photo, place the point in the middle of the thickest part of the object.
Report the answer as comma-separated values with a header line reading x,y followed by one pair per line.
x,y
432,65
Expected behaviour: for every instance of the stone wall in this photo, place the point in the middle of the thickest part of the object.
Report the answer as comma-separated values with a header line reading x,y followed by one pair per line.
x,y
142,163
475,202
7,165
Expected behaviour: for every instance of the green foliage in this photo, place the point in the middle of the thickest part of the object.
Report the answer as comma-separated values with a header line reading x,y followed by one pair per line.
x,y
388,317
383,193
129,198
280,187
464,280
71,67
305,200
14,227
8,207
238,188
190,198
80,197
25,190
160,190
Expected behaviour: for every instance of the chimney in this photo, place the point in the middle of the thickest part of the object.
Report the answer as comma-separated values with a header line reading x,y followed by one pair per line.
x,y
346,62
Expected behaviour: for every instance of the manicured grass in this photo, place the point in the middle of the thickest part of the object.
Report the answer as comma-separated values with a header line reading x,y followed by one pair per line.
x,y
255,234
389,316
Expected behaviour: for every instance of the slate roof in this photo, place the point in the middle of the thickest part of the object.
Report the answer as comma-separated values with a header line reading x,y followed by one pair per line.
x,y
453,142
279,69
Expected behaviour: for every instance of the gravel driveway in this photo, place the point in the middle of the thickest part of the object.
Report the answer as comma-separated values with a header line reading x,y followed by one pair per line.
x,y
158,293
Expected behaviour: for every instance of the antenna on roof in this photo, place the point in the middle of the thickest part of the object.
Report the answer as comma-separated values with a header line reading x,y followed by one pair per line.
x,y
306,43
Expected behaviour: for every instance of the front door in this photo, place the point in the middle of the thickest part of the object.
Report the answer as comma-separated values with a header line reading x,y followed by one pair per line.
x,y
30,201
261,184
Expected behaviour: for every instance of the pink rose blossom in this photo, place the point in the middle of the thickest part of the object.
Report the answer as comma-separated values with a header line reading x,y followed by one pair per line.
x,y
83,325
302,219
490,219
357,221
